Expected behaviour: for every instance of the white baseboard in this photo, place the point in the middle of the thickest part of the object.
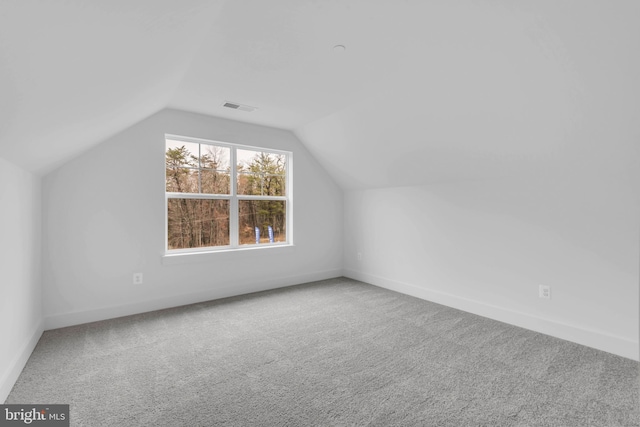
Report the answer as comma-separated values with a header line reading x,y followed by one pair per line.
x,y
10,375
103,313
596,339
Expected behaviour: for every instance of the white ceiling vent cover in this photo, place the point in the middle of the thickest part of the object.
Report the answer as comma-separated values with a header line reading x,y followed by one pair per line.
x,y
237,106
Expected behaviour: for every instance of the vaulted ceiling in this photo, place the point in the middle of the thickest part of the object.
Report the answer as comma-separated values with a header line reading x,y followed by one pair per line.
x,y
425,91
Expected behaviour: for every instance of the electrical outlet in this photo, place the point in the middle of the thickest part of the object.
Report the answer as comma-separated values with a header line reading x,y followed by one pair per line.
x,y
544,292
359,256
137,278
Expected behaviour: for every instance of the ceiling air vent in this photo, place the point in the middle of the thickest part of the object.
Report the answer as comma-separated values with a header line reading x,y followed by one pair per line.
x,y
237,106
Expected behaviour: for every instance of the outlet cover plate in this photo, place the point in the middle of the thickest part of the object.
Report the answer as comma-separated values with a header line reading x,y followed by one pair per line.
x,y
137,278
544,292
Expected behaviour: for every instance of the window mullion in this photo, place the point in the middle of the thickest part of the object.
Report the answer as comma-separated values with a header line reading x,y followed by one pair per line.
x,y
257,197
197,196
199,168
233,208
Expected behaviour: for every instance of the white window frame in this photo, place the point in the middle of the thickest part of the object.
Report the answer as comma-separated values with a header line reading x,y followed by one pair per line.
x,y
234,198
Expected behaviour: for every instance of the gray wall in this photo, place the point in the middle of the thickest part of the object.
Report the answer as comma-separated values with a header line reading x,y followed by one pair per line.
x,y
104,220
484,246
20,279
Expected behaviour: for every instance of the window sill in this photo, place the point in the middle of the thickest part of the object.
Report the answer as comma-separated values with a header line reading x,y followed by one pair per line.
x,y
223,254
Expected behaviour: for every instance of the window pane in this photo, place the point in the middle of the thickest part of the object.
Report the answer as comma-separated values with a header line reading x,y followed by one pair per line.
x,y
215,157
180,157
181,154
261,173
269,216
215,182
194,223
181,180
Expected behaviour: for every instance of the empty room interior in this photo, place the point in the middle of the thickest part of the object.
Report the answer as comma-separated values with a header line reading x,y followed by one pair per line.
x,y
299,212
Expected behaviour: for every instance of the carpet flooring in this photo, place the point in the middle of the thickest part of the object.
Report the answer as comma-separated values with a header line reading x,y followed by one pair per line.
x,y
331,353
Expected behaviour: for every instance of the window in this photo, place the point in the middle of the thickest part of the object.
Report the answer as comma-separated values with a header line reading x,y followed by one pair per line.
x,y
225,196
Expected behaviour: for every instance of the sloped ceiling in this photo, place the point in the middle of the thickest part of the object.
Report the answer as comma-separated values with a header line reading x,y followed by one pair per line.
x,y
74,72
426,91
